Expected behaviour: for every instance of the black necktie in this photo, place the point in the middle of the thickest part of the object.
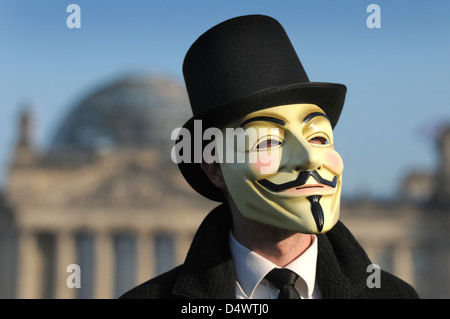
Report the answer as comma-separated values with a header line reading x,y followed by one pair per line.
x,y
284,279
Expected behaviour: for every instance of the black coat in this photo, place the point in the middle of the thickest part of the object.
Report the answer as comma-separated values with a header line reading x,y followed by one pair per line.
x,y
208,271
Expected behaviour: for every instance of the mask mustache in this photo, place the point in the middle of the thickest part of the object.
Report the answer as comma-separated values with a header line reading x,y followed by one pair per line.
x,y
299,181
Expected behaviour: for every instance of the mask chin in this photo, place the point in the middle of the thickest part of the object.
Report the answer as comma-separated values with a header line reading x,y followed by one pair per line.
x,y
317,211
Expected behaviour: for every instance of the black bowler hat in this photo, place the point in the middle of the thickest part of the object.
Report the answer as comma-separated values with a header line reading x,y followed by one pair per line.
x,y
240,66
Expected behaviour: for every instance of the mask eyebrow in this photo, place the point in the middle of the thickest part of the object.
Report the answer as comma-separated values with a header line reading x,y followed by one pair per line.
x,y
264,118
313,115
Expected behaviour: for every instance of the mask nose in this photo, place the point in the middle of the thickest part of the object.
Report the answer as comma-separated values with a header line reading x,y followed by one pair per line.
x,y
301,156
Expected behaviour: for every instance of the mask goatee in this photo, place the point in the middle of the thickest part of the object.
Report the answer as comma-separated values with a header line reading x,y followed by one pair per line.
x,y
317,211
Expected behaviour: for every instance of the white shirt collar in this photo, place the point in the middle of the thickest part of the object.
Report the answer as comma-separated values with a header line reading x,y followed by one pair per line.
x,y
251,269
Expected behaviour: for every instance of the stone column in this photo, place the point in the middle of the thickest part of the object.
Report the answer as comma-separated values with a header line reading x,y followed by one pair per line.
x,y
403,263
146,267
104,270
65,256
30,266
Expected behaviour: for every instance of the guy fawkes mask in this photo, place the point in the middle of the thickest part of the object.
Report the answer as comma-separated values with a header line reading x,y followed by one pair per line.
x,y
286,173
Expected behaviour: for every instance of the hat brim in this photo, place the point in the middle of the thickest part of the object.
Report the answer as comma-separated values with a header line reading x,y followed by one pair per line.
x,y
329,97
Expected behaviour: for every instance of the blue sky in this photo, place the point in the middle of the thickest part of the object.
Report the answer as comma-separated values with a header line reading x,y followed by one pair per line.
x,y
397,76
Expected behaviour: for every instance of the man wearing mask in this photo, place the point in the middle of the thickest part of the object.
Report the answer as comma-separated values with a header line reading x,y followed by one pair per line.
x,y
277,233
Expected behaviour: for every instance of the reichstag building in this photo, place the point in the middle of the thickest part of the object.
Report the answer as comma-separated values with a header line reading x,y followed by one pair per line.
x,y
106,196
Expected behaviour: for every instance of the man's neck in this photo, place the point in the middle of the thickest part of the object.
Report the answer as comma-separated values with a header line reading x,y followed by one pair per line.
x,y
277,245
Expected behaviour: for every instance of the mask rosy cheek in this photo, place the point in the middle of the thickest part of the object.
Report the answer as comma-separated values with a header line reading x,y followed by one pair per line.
x,y
265,163
334,162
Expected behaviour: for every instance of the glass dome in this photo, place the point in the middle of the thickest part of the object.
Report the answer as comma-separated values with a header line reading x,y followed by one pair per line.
x,y
138,112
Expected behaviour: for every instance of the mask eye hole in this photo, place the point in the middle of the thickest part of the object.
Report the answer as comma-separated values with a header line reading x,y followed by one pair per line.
x,y
319,140
267,144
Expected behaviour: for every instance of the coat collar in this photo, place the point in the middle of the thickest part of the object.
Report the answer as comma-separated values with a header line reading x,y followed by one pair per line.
x,y
208,271
341,264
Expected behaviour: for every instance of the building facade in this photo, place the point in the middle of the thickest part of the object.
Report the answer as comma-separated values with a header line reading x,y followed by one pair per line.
x,y
105,196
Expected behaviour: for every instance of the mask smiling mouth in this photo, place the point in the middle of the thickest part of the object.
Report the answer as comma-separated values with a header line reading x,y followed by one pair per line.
x,y
310,186
298,187
300,182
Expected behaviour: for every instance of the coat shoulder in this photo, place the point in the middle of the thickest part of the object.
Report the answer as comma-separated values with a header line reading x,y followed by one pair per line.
x,y
397,288
159,287
391,287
